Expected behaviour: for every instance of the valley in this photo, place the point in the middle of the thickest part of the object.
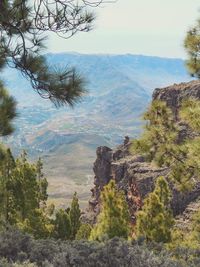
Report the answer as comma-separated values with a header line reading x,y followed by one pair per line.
x,y
119,90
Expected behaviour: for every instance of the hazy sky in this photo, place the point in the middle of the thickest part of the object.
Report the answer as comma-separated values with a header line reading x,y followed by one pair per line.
x,y
149,27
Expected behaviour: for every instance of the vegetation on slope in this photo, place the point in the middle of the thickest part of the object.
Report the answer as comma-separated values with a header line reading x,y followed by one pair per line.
x,y
35,234
24,198
19,248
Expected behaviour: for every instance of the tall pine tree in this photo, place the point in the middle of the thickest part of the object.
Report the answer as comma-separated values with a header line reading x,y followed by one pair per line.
x,y
8,203
23,195
155,220
74,215
62,225
114,219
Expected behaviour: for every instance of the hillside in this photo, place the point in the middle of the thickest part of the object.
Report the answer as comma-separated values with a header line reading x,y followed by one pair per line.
x,y
119,90
136,176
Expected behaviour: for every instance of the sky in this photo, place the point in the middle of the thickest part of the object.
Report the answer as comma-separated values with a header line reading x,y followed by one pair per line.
x,y
147,27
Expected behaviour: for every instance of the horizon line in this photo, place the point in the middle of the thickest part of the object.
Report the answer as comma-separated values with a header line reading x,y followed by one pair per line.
x,y
113,54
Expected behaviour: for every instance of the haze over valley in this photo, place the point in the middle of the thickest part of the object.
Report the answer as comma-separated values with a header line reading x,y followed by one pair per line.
x,y
119,90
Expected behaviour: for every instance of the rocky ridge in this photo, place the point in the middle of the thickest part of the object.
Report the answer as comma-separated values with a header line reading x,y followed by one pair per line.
x,y
131,173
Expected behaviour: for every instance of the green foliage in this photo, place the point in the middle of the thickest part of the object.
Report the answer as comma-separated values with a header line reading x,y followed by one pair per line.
x,y
187,239
189,113
114,218
160,141
7,112
18,247
27,187
186,167
23,28
84,232
74,215
155,220
192,46
62,225
23,195
67,222
42,183
37,224
8,203
196,228
159,136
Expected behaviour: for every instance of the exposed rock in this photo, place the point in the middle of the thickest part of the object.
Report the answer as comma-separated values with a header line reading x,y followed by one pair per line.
x,y
102,166
173,95
131,173
183,221
137,179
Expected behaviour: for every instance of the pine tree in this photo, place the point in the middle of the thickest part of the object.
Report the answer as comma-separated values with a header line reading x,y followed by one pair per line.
x,y
189,113
7,112
22,191
42,182
62,225
84,232
37,223
186,163
27,187
160,141
159,136
31,196
23,28
7,188
74,215
155,220
192,46
114,218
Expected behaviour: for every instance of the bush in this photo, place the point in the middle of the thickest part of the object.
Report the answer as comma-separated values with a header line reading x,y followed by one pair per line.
x,y
17,249
24,264
15,245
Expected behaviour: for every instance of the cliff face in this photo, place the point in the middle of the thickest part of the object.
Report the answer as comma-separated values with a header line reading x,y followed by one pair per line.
x,y
131,173
173,95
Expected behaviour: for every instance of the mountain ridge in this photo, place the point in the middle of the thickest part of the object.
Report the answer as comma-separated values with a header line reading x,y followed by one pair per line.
x,y
120,89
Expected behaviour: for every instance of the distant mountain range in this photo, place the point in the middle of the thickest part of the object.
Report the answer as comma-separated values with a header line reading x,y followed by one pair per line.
x,y
119,90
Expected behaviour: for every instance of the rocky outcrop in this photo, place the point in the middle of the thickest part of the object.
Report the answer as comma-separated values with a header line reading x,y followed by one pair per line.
x,y
184,220
131,173
175,94
136,177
